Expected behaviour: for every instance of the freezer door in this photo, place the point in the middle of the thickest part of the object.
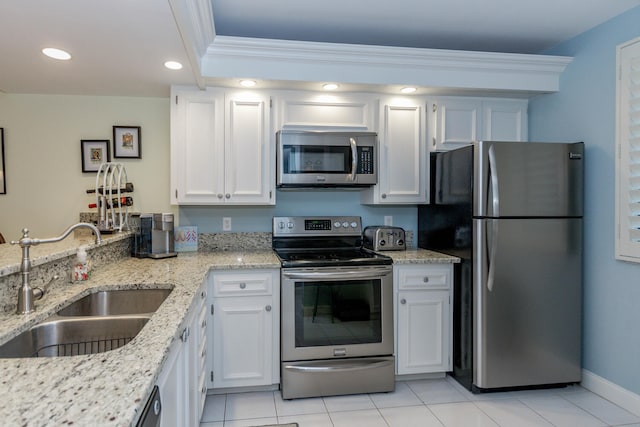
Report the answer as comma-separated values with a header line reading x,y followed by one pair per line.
x,y
524,179
527,301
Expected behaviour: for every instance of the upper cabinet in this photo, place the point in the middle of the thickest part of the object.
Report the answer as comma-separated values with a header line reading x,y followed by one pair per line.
x,y
221,147
402,154
310,110
458,121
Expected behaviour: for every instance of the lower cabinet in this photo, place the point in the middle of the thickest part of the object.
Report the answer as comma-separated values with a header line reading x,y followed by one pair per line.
x,y
245,306
423,317
182,380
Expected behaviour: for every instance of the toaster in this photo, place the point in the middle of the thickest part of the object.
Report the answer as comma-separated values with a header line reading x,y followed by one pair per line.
x,y
383,238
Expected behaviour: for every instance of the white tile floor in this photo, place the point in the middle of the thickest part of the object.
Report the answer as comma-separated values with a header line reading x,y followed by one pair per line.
x,y
424,403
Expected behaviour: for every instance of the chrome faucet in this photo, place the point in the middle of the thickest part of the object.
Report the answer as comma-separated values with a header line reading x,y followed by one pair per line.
x,y
26,294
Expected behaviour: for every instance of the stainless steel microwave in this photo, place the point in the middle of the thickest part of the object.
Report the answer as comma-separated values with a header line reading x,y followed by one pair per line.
x,y
326,159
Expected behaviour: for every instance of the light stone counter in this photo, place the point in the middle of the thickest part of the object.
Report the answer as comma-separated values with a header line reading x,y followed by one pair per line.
x,y
107,388
420,256
111,388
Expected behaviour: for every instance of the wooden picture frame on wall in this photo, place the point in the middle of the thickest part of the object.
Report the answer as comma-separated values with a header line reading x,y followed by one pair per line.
x,y
94,153
3,176
126,142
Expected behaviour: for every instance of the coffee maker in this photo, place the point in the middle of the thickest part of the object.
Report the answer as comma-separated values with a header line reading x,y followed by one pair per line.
x,y
155,239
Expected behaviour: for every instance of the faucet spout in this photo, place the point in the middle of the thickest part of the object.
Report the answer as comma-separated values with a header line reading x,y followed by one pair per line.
x,y
26,297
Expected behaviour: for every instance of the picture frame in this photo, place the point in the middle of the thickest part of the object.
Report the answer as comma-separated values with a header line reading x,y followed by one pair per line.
x,y
3,178
94,152
126,142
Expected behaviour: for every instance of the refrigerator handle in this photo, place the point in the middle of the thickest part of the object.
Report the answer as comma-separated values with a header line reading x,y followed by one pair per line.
x,y
493,178
491,253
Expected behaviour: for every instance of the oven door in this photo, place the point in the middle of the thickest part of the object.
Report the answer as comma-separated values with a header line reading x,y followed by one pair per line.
x,y
336,312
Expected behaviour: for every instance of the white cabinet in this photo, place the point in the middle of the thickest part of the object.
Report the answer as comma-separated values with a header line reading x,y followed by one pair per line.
x,y
458,121
221,147
423,317
181,381
245,337
402,154
309,110
504,120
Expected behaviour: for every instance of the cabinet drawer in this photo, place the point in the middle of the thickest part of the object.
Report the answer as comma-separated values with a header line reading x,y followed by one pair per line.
x,y
242,284
420,277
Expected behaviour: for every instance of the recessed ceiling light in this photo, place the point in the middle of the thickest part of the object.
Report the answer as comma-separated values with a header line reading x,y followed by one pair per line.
x,y
248,83
173,65
54,53
408,90
330,86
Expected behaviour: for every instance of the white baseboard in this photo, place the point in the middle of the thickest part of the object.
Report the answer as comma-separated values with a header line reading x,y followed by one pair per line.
x,y
620,396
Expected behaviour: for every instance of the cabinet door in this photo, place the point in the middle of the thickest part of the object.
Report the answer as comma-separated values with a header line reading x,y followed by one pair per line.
x,y
402,165
423,332
504,120
249,157
171,383
457,122
300,110
197,150
196,345
243,341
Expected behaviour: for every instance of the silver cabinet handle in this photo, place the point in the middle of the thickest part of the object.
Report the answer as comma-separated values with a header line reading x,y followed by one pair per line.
x,y
403,301
203,295
220,196
243,285
384,196
268,308
426,279
228,196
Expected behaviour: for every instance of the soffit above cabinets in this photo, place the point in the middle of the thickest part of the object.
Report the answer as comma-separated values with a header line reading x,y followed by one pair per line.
x,y
221,60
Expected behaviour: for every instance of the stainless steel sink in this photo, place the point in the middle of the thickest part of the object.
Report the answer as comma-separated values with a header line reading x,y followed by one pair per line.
x,y
117,302
96,323
71,336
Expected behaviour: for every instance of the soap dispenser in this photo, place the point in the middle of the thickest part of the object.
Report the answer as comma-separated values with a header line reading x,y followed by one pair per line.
x,y
81,266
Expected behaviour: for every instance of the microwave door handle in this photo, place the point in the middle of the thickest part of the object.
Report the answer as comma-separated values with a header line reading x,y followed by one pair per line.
x,y
354,159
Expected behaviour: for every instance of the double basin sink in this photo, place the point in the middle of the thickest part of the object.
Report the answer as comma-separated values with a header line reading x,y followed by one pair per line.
x,y
96,323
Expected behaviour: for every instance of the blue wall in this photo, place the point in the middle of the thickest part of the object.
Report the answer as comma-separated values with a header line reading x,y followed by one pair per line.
x,y
298,203
584,110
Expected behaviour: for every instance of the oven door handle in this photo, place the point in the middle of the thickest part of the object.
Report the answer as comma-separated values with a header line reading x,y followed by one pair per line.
x,y
337,275
334,366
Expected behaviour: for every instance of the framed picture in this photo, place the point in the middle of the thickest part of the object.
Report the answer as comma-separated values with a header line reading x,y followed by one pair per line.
x,y
94,153
3,182
126,142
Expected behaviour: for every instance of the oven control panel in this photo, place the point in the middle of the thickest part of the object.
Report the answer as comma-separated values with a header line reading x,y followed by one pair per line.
x,y
317,226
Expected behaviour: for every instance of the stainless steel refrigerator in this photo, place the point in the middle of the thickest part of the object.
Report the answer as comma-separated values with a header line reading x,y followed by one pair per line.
x,y
512,211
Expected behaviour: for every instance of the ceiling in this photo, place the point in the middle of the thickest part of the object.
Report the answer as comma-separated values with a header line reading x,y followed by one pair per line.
x,y
118,47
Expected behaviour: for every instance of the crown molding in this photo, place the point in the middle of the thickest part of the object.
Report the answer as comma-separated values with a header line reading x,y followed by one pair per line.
x,y
266,59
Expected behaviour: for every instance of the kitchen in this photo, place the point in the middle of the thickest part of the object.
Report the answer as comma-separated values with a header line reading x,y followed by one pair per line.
x,y
610,294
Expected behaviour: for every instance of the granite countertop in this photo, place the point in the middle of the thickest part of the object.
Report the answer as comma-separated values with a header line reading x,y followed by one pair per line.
x,y
108,388
111,388
420,256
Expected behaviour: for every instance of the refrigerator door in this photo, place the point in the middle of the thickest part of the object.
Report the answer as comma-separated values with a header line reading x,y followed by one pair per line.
x,y
527,301
527,179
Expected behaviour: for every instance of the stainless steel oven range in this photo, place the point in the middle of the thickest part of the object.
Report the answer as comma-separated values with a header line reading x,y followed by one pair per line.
x,y
337,309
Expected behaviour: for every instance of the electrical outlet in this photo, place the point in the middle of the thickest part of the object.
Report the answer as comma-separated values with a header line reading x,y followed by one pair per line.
x,y
226,223
388,220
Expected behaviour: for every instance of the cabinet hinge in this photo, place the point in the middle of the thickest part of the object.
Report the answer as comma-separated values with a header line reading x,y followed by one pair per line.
x,y
212,309
176,99
270,194
270,103
211,376
434,108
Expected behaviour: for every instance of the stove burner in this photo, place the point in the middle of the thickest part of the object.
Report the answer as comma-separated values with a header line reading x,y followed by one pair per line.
x,y
331,257
322,242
